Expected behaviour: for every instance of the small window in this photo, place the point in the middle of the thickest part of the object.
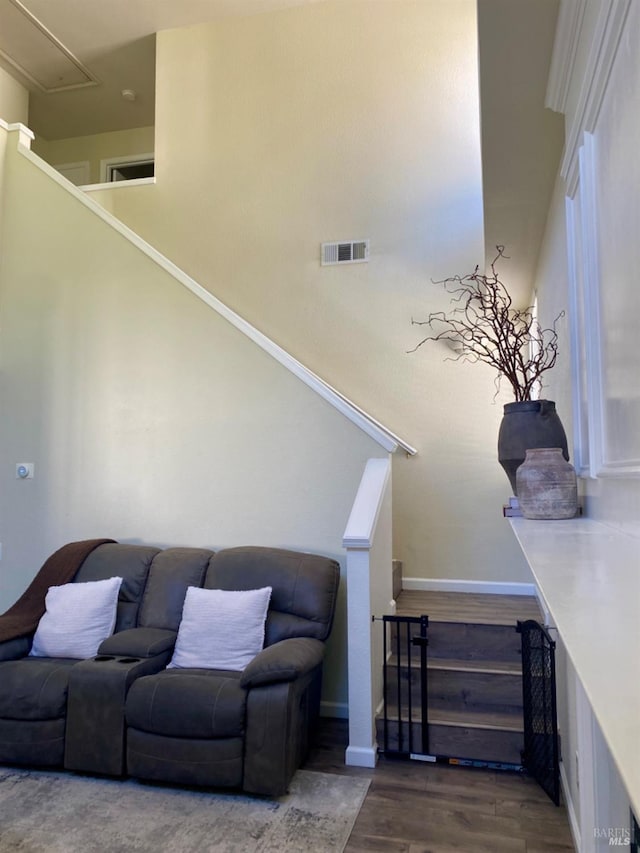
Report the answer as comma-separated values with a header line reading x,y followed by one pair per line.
x,y
130,171
131,168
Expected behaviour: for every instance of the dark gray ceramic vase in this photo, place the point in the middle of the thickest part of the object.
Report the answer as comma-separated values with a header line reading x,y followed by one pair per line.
x,y
527,425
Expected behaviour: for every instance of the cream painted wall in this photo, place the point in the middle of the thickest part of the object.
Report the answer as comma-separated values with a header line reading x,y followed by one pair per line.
x,y
96,147
14,100
14,108
147,416
334,121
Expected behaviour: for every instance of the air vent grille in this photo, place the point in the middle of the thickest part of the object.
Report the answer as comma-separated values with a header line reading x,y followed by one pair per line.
x,y
345,252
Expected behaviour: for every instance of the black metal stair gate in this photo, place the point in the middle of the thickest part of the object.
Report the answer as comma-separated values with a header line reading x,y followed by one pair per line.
x,y
541,749
405,727
405,731
405,691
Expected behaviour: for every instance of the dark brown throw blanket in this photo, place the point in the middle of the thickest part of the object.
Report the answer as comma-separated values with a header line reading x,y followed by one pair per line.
x,y
23,616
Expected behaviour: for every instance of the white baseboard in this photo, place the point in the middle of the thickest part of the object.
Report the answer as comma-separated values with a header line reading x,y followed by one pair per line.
x,y
360,756
571,812
480,587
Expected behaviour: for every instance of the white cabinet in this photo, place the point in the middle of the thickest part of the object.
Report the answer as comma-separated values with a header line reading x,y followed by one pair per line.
x,y
596,799
587,575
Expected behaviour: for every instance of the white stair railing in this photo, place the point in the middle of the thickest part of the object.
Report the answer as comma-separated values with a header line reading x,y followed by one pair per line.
x,y
367,539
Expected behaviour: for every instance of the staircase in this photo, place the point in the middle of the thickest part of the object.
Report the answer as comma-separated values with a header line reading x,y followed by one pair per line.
x,y
474,676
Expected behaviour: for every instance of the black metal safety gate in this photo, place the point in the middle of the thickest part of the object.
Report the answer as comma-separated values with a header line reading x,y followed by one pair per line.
x,y
405,687
541,755
406,713
405,726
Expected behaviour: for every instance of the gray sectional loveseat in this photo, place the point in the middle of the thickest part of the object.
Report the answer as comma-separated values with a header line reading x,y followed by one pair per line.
x,y
157,701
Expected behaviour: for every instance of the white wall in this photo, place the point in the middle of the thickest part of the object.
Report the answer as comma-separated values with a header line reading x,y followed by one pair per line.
x,y
14,100
342,120
147,416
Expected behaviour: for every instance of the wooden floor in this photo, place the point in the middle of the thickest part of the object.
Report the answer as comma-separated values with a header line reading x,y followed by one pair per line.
x,y
415,807
468,607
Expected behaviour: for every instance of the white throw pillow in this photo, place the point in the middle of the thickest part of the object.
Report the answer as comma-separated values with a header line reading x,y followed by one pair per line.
x,y
78,617
221,629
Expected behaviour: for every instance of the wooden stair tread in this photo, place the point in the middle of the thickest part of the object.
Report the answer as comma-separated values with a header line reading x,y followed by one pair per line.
x,y
494,720
469,608
489,667
485,667
470,719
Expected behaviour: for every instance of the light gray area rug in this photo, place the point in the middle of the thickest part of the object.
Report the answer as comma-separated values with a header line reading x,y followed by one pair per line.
x,y
51,812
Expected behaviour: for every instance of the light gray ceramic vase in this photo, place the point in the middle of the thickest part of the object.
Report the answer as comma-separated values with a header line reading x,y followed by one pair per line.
x,y
547,485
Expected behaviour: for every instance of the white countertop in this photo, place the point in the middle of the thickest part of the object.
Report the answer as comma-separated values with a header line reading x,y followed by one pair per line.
x,y
589,577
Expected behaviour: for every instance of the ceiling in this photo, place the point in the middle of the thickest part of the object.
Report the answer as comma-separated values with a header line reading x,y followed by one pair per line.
x,y
113,41
522,141
77,57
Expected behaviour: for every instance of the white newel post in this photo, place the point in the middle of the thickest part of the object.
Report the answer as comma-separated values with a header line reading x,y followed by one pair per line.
x,y
25,134
367,539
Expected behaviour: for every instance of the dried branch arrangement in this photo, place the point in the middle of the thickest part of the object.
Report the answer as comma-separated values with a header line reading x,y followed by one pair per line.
x,y
484,326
